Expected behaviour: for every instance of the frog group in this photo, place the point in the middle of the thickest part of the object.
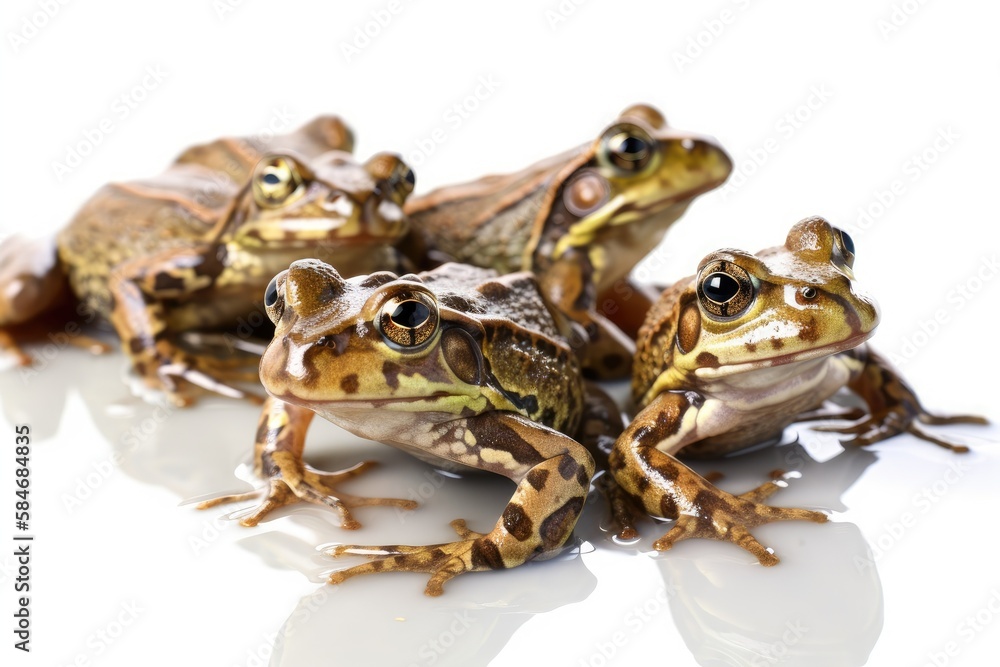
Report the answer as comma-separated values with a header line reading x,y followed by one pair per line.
x,y
463,326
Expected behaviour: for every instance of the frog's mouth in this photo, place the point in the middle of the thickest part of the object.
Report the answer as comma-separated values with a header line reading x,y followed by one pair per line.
x,y
786,359
380,228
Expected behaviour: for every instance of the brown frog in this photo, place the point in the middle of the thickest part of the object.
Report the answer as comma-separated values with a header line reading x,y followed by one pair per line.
x,y
192,250
731,356
580,221
457,366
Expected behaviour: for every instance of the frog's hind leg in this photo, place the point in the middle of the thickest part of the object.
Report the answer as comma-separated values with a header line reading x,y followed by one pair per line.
x,y
32,285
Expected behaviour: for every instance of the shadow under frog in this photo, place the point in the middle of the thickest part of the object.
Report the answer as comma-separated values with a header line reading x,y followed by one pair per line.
x,y
822,606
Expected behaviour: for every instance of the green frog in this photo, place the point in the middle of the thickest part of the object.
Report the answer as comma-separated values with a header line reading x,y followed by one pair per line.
x,y
191,250
728,358
580,221
457,366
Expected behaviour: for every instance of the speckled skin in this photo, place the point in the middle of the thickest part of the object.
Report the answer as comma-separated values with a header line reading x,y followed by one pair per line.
x,y
712,377
192,249
490,383
580,221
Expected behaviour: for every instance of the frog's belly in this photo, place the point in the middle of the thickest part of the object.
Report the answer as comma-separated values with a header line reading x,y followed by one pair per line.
x,y
735,418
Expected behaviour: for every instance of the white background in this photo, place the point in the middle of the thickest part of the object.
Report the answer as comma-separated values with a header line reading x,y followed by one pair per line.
x,y
736,70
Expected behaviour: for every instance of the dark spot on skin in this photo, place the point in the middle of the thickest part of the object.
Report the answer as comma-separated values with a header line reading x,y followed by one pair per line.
x,y
707,360
537,478
349,384
557,526
668,508
809,332
548,416
135,346
489,429
568,467
517,522
642,483
485,554
582,478
167,283
777,343
494,290
391,371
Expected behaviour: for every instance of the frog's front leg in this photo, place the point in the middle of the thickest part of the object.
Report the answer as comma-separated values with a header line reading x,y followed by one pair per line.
x,y
666,488
141,289
553,475
607,351
278,451
893,406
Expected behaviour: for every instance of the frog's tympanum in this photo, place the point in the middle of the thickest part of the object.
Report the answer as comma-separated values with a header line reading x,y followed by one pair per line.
x,y
580,221
456,366
731,356
192,250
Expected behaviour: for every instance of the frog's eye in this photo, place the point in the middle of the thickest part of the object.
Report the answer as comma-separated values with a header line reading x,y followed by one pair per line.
x,y
725,289
273,303
276,179
392,173
408,320
846,245
628,147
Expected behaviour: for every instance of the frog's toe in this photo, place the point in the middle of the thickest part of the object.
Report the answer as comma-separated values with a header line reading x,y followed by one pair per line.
x,y
732,519
442,561
464,531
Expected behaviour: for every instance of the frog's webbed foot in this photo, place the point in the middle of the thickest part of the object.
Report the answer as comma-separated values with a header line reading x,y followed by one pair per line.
x,y
875,428
312,486
473,552
893,407
732,517
185,377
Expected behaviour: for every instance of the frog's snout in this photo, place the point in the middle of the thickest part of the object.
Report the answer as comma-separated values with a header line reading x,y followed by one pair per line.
x,y
309,286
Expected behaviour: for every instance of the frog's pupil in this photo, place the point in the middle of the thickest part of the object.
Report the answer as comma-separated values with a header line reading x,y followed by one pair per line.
x,y
848,242
271,179
410,177
720,287
271,293
632,147
410,314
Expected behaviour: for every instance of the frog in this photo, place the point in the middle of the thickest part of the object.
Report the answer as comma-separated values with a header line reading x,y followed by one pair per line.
x,y
191,250
728,358
461,367
580,220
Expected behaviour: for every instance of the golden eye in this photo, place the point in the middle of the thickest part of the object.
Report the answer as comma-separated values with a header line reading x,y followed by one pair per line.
x,y
409,320
725,289
628,147
394,177
275,180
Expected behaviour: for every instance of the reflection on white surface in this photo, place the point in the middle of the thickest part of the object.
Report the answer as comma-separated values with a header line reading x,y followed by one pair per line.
x,y
259,596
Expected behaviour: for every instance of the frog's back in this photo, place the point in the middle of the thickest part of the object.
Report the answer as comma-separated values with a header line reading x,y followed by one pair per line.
x,y
122,221
525,346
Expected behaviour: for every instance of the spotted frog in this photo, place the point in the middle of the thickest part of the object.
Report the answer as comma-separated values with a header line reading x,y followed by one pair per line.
x,y
457,366
192,249
730,357
580,221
